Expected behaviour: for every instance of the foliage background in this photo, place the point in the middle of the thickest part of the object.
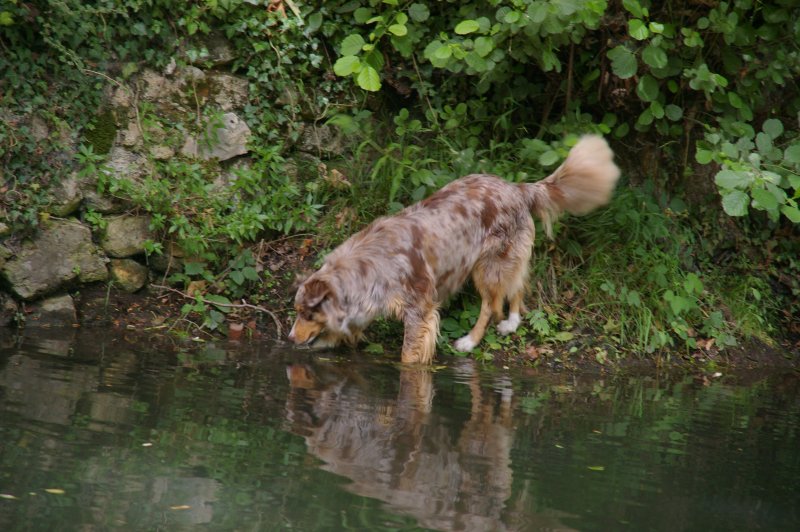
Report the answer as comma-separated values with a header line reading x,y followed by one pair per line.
x,y
698,98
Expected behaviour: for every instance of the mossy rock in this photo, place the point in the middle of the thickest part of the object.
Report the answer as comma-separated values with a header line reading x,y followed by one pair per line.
x,y
102,132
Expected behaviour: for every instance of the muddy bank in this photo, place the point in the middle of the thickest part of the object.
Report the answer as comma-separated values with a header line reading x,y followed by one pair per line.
x,y
154,317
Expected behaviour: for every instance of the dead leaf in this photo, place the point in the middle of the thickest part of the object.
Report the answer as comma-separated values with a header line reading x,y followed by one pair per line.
x,y
196,287
336,179
532,351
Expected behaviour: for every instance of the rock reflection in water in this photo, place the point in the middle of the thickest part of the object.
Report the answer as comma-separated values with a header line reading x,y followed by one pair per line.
x,y
404,453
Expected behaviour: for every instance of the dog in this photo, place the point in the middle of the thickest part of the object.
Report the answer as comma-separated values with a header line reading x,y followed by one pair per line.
x,y
405,266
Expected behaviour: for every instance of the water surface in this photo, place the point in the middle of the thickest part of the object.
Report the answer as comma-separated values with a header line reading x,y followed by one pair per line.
x,y
102,432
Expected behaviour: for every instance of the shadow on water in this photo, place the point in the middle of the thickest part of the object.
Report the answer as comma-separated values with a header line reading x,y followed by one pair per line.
x,y
99,431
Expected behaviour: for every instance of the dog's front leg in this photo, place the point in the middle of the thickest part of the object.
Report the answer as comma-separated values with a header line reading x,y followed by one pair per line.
x,y
421,331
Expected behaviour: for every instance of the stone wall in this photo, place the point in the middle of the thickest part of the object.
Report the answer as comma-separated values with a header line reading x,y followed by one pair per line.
x,y
38,272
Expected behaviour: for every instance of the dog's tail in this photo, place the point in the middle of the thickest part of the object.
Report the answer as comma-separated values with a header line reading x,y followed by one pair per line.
x,y
582,183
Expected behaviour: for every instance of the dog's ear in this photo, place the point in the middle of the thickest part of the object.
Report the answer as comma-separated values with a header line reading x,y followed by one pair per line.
x,y
300,277
316,291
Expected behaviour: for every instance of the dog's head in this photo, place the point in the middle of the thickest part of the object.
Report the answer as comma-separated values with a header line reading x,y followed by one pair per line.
x,y
316,307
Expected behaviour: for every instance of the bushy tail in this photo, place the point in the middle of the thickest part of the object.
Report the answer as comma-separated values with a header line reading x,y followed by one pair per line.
x,y
582,183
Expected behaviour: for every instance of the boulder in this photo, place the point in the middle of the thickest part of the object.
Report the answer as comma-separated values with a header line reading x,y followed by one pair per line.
x,y
99,202
130,136
162,153
229,92
323,141
127,164
8,310
219,50
126,235
65,196
128,274
5,254
58,311
62,252
225,140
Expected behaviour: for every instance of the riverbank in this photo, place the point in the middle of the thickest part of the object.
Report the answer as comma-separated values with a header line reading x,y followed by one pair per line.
x,y
154,317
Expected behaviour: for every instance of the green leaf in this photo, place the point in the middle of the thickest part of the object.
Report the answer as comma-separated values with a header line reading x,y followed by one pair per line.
x,y
6,18
444,52
773,127
250,273
214,299
692,284
398,29
657,109
791,212
634,8
352,44
703,156
792,153
728,179
374,349
467,26
654,56
362,14
623,62
563,336
622,130
673,112
647,88
537,12
193,268
475,61
634,299
638,29
549,158
646,118
735,101
419,12
735,203
764,199
764,143
512,17
483,46
368,79
345,66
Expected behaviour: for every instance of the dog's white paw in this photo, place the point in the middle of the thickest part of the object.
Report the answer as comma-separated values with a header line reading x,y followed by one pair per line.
x,y
465,344
510,325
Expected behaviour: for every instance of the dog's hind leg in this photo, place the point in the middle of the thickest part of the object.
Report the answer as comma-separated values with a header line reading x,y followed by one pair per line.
x,y
499,275
421,331
510,325
491,306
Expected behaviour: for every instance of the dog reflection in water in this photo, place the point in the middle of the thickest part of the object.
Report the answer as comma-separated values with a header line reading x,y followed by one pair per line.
x,y
399,450
408,264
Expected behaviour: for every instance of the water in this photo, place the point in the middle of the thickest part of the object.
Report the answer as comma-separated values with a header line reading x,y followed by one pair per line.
x,y
99,432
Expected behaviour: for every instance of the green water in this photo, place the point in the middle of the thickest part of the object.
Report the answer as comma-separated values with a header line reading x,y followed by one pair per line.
x,y
100,432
